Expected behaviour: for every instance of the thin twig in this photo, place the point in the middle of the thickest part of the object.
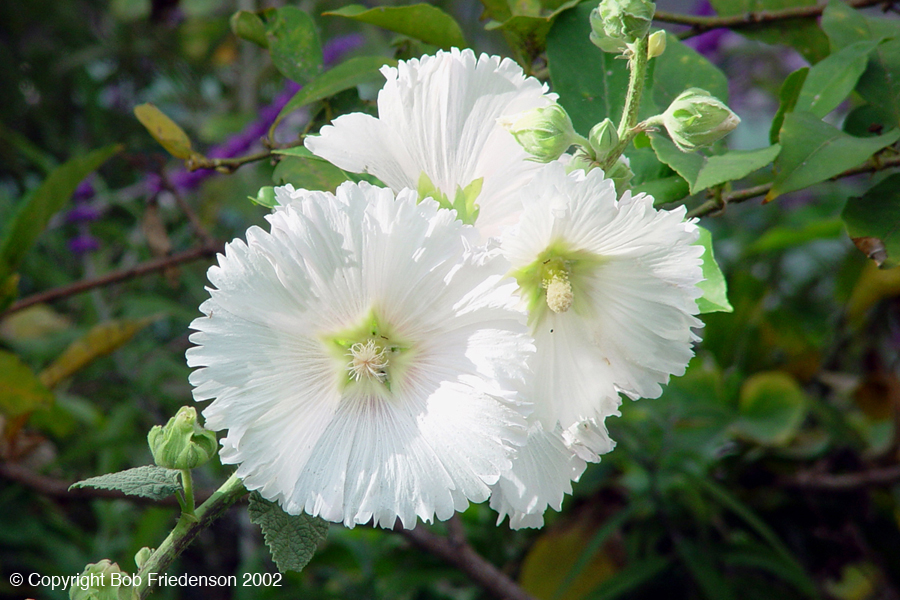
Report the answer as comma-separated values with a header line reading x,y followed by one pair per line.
x,y
700,24
738,196
198,227
145,268
845,481
457,551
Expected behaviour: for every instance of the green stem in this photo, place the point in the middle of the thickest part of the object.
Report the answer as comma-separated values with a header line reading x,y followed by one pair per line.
x,y
186,529
187,482
637,66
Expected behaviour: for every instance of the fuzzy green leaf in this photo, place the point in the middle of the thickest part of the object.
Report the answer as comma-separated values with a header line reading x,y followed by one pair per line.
x,y
292,539
148,481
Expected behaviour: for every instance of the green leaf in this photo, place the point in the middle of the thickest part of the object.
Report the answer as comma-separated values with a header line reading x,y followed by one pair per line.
x,y
703,570
311,173
344,76
681,67
714,288
164,130
664,190
590,83
101,340
781,237
149,481
293,43
527,34
22,391
772,408
248,26
830,81
703,172
813,151
292,539
803,35
880,83
423,22
34,213
873,222
265,197
787,100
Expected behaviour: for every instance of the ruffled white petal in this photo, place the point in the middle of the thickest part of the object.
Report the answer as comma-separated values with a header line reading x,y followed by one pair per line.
x,y
542,473
298,432
438,115
635,290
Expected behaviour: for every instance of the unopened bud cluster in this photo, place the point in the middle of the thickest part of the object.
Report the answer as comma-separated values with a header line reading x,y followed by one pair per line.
x,y
616,24
182,443
545,133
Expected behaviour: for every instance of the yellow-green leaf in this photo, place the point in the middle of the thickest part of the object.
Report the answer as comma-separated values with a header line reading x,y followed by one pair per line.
x,y
164,130
772,408
99,341
21,391
419,21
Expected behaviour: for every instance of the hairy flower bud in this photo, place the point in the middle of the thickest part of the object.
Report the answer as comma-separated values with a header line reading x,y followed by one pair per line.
x,y
696,119
545,133
102,581
617,23
603,138
656,44
182,443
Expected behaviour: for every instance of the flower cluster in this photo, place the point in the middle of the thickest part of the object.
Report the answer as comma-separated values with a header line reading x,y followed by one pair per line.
x,y
460,334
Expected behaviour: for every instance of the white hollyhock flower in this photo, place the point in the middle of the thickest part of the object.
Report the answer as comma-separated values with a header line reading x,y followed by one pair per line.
x,y
611,289
362,358
437,131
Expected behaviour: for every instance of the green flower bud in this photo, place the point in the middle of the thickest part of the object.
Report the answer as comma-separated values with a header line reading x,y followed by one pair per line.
x,y
102,581
617,23
603,138
656,44
545,133
696,119
182,443
141,557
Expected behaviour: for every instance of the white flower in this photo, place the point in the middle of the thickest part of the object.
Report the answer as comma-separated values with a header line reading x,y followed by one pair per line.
x,y
362,358
437,131
543,471
611,289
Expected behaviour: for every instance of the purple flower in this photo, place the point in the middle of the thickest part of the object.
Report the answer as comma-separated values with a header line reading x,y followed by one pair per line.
x,y
83,243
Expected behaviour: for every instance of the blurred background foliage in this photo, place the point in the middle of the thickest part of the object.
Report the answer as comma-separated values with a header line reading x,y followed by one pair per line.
x,y
770,470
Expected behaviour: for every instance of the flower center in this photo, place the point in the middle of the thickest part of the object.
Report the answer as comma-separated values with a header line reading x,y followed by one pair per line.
x,y
559,289
368,361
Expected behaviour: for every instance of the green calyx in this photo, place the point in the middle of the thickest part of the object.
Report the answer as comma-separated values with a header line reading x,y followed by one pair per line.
x,y
102,581
463,201
182,443
370,357
616,24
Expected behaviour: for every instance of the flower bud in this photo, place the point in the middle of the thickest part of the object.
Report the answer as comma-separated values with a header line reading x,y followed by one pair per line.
x,y
656,44
545,133
617,23
182,443
696,119
100,581
141,557
603,138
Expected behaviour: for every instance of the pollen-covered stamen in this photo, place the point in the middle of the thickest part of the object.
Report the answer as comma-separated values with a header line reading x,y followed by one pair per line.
x,y
559,288
367,361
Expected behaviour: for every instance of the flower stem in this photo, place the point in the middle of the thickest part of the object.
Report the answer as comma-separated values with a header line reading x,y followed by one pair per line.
x,y
637,65
187,528
187,483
